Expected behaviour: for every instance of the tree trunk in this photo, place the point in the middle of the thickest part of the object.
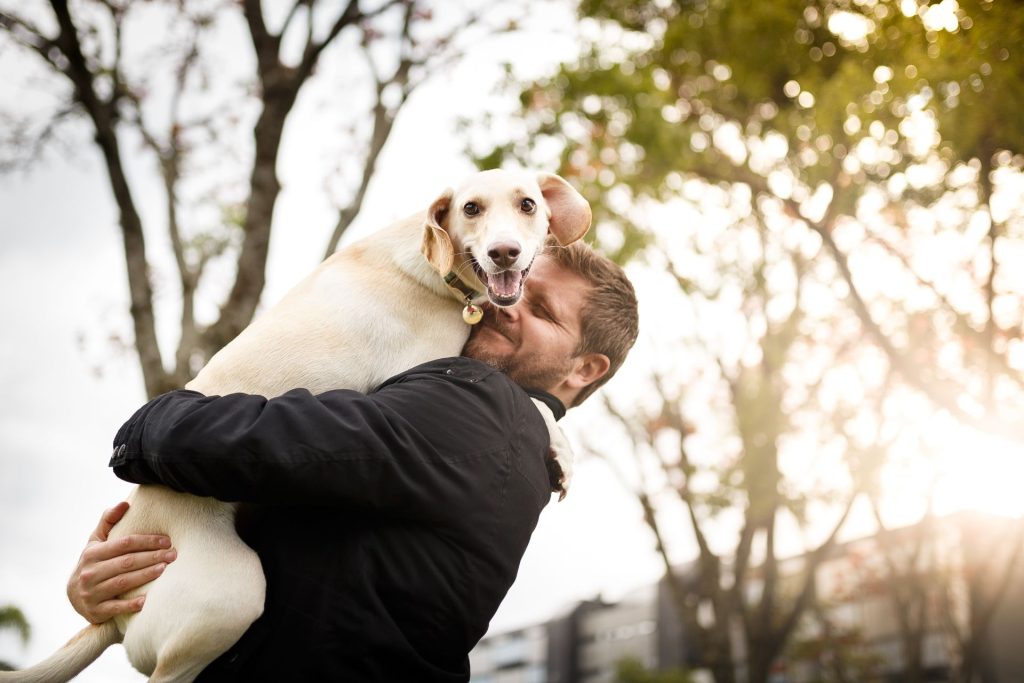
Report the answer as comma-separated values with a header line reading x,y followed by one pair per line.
x,y
913,671
722,668
103,115
240,307
154,375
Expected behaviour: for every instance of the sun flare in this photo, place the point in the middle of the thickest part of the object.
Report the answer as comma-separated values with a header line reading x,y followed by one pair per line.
x,y
971,471
982,473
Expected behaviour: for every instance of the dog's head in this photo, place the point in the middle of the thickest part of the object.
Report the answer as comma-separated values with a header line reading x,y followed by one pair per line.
x,y
490,228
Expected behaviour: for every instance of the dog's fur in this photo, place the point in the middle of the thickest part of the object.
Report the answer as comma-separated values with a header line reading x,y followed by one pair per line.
x,y
370,311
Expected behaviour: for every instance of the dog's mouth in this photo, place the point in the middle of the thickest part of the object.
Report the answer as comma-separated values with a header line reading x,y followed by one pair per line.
x,y
503,288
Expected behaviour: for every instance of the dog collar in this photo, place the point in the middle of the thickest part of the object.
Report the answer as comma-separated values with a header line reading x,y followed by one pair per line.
x,y
471,313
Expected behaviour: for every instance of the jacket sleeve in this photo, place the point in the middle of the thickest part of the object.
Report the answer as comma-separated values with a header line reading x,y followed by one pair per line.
x,y
385,450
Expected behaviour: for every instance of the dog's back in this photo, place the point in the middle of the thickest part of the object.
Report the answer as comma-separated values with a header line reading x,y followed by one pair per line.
x,y
362,316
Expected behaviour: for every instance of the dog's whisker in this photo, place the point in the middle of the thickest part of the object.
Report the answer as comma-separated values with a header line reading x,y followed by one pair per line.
x,y
460,269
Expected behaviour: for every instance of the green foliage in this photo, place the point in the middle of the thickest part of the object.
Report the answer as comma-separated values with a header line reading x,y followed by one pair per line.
x,y
843,655
645,102
12,619
973,78
632,671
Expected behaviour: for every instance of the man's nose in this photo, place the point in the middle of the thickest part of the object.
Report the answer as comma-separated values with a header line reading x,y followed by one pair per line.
x,y
510,313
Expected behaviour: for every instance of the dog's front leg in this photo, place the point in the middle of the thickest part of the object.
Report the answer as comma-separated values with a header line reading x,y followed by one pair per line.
x,y
560,449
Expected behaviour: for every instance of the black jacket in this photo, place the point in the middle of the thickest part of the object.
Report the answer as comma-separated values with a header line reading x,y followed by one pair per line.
x,y
390,525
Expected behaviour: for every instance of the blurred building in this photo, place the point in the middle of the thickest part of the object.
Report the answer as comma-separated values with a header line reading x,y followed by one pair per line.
x,y
950,574
953,576
583,644
515,657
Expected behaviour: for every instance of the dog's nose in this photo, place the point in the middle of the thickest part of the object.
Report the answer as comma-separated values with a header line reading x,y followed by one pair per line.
x,y
504,254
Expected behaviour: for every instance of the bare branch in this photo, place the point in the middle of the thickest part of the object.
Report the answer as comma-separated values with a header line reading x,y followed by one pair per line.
x,y
29,36
814,560
908,590
383,122
265,44
104,118
998,362
985,182
910,371
981,617
293,11
349,16
29,147
836,662
903,364
681,595
170,157
440,58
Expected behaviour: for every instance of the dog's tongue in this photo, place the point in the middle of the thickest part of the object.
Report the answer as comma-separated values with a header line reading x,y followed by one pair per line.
x,y
505,285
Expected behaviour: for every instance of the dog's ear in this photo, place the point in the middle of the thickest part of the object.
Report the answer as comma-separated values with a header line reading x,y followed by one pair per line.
x,y
570,212
437,244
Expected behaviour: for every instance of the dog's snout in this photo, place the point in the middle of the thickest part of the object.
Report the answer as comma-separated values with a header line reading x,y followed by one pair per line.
x,y
504,254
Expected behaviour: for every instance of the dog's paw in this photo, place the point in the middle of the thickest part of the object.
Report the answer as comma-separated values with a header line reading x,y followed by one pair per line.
x,y
560,452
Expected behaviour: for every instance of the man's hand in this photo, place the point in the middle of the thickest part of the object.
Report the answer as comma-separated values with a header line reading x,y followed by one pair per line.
x,y
108,569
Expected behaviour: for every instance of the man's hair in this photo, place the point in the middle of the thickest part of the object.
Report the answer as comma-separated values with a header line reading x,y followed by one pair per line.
x,y
609,321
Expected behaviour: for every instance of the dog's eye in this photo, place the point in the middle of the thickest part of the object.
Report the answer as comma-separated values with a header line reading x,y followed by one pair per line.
x,y
528,205
471,209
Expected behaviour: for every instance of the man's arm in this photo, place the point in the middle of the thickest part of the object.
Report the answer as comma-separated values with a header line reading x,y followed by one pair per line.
x,y
107,569
408,446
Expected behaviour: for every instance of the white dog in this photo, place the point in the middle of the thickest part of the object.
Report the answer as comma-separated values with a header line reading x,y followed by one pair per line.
x,y
374,309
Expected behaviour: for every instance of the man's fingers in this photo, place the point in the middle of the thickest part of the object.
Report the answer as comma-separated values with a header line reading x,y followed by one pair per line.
x,y
100,571
109,568
108,520
106,550
106,591
111,608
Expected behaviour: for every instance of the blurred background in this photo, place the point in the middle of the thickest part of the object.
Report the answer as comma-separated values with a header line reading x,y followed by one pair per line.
x,y
809,469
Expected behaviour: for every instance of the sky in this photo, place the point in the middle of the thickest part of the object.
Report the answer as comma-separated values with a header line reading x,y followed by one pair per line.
x,y
63,294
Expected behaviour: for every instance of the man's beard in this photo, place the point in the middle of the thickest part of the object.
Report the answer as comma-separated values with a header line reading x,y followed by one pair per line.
x,y
534,372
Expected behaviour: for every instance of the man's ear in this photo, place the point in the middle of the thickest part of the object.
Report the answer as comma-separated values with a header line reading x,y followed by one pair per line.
x,y
590,367
570,214
437,243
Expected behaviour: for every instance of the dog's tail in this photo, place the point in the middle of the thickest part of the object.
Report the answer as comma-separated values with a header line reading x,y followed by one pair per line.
x,y
70,660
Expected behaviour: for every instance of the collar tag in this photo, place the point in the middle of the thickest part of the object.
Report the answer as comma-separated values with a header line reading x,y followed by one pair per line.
x,y
471,313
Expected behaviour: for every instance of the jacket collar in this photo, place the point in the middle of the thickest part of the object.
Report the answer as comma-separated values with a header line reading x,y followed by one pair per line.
x,y
556,406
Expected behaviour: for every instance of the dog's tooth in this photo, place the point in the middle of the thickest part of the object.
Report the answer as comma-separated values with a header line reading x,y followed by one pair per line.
x,y
506,283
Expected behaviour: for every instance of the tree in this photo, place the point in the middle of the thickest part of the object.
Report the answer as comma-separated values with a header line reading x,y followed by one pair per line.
x,y
11,618
987,572
744,585
831,194
185,110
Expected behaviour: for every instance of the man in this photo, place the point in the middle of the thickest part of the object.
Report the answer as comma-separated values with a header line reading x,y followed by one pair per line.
x,y
390,525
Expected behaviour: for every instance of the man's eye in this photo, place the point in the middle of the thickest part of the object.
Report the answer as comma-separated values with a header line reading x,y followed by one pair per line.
x,y
471,209
528,205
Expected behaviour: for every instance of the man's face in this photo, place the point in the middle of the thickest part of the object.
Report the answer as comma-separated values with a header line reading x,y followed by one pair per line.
x,y
534,341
